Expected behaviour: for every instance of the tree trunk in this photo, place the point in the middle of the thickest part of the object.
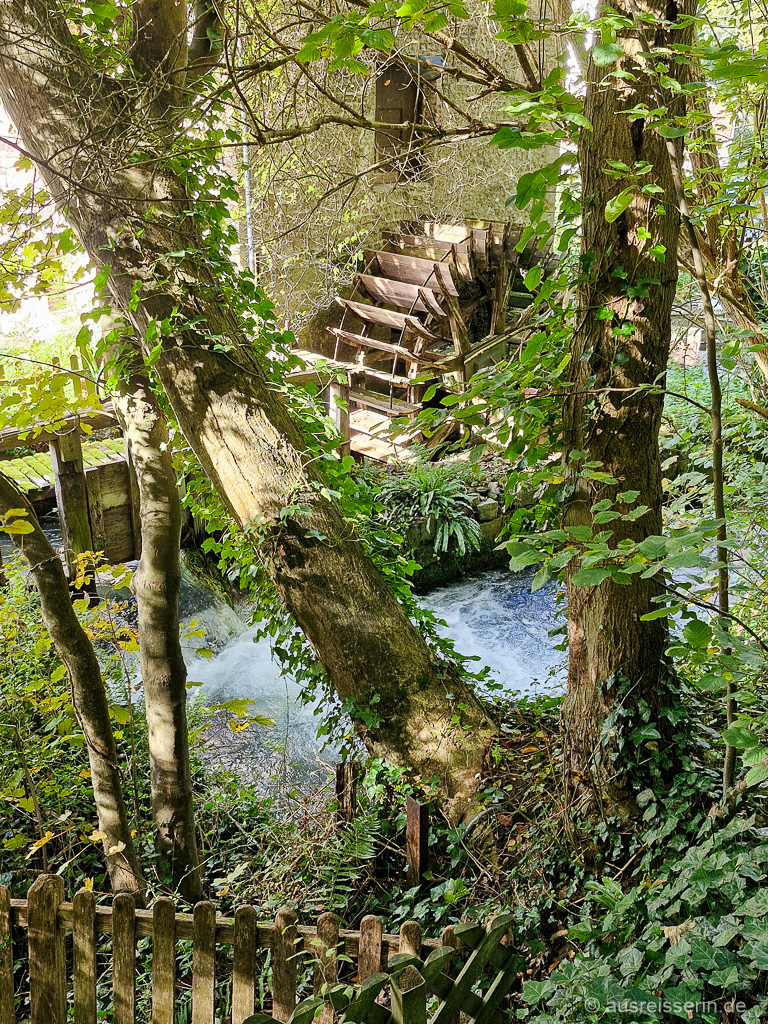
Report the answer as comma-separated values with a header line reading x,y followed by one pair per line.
x,y
620,346
155,585
89,697
126,210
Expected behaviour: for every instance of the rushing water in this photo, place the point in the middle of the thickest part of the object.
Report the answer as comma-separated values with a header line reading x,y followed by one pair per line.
x,y
491,616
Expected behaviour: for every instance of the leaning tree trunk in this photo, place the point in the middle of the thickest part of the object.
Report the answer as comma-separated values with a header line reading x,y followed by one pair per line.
x,y
89,697
155,586
126,210
619,352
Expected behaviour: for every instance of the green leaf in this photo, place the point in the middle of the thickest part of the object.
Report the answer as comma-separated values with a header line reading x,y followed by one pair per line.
x,y
533,278
607,53
668,131
616,206
698,633
590,577
757,775
740,736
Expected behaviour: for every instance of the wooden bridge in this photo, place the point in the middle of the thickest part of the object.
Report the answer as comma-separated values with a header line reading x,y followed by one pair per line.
x,y
432,305
92,481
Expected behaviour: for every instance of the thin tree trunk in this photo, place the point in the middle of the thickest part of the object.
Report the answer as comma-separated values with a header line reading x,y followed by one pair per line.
x,y
155,585
619,352
89,697
128,212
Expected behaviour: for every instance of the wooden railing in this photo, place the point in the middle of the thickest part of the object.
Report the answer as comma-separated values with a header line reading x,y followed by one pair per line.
x,y
63,953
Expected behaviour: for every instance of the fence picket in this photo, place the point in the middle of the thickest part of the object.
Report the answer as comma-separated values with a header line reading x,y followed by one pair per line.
x,y
123,959
284,965
7,1013
410,938
244,966
204,963
325,950
369,950
47,980
84,957
163,960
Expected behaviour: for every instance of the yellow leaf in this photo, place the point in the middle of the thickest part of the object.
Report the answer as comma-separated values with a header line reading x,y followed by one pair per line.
x,y
117,848
85,773
97,835
88,884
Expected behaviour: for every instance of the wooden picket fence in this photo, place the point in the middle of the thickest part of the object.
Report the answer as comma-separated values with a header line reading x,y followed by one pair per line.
x,y
62,945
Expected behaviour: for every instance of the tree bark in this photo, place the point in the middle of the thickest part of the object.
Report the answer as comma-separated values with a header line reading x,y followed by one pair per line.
x,y
619,350
155,586
89,697
135,214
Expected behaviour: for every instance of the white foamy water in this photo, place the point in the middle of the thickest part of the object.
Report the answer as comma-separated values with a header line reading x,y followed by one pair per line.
x,y
494,617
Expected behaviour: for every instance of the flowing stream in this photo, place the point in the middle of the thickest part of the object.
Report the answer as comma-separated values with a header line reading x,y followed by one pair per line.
x,y
491,616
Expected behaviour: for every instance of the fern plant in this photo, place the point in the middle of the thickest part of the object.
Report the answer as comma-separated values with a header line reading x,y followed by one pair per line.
x,y
436,495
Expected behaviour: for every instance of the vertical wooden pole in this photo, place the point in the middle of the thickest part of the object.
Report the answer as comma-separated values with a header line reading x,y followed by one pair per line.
x,y
163,960
448,938
84,957
338,410
123,959
203,963
244,965
410,938
369,953
325,949
71,495
7,1013
47,981
96,508
346,792
416,840
284,965
409,998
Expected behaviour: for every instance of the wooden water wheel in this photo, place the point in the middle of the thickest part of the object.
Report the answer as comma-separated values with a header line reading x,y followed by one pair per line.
x,y
431,305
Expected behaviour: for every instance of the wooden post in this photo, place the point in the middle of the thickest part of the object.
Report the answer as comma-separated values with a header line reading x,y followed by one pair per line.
x,y
123,959
7,1013
244,965
346,792
84,957
71,495
338,410
409,997
284,965
410,938
47,979
203,963
163,960
369,951
325,949
416,840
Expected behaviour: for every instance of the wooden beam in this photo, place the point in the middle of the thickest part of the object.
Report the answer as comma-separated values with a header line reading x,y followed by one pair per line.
x,y
71,492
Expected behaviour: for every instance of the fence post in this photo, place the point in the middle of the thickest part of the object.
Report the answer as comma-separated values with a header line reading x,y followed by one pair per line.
x,y
369,950
163,960
284,965
47,982
346,792
325,951
244,964
409,997
410,938
71,495
7,1014
124,959
203,963
416,840
84,957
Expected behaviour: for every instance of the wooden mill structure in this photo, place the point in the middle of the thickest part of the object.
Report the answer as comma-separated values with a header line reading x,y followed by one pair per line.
x,y
432,305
